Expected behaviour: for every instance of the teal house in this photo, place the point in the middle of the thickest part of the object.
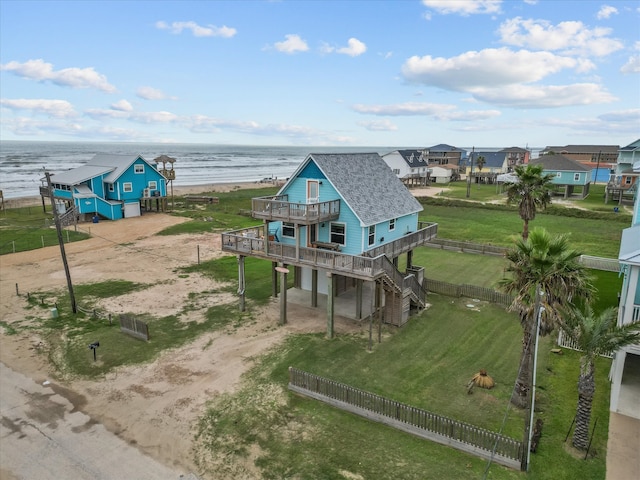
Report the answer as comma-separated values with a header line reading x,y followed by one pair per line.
x,y
569,176
109,187
349,217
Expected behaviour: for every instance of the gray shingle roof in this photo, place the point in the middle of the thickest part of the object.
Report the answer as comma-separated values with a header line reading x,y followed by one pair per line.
x,y
559,163
413,158
101,164
368,186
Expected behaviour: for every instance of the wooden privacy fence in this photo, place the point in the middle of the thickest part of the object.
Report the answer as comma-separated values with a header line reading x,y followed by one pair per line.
x,y
470,291
462,436
134,327
467,247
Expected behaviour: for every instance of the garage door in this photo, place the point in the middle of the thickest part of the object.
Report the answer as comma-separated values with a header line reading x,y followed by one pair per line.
x,y
131,210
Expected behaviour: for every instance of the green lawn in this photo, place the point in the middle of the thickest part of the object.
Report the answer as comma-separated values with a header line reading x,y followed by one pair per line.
x,y
427,363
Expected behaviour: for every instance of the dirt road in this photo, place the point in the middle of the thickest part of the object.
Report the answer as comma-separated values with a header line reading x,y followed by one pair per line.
x,y
151,407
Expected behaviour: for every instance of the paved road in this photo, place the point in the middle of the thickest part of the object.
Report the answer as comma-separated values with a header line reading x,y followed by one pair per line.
x,y
41,436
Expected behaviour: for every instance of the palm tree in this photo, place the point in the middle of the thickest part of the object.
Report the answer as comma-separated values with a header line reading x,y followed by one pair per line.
x,y
480,161
545,264
594,334
530,192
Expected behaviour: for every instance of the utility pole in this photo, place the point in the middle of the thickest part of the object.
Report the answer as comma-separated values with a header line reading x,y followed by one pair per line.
x,y
56,218
595,180
470,174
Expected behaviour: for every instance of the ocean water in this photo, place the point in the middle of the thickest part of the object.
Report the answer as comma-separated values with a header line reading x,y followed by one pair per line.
x,y
22,164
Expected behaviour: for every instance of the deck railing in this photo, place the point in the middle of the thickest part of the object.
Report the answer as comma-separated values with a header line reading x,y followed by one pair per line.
x,y
426,232
277,208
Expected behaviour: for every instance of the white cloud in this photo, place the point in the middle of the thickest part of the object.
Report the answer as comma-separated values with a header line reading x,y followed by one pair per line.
x,y
379,126
490,67
355,48
161,117
150,93
544,96
292,44
197,30
122,105
632,65
41,71
463,7
403,109
569,38
469,115
606,11
52,108
631,116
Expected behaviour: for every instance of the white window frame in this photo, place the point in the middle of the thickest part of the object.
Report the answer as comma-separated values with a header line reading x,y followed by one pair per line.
x,y
371,238
576,177
138,168
558,174
343,234
288,230
153,185
111,187
127,187
392,224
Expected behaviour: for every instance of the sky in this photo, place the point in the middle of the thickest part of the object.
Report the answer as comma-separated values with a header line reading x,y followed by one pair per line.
x,y
406,73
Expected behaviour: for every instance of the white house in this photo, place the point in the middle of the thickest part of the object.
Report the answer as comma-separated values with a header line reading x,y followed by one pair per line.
x,y
408,165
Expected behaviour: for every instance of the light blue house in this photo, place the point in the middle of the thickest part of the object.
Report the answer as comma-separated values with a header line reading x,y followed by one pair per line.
x,y
623,184
568,175
349,217
109,186
625,369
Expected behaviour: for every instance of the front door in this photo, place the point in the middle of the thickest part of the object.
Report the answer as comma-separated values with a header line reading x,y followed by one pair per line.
x,y
312,231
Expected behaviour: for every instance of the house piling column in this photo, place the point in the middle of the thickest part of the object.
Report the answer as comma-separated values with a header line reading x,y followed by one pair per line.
x,y
283,293
359,283
330,303
274,280
241,281
409,259
314,288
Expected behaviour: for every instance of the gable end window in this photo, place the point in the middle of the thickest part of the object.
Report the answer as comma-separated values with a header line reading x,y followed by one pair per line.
x,y
111,187
127,187
338,234
288,230
138,168
372,235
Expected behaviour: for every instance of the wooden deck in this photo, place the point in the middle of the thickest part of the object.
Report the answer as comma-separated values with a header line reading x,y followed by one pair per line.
x,y
278,208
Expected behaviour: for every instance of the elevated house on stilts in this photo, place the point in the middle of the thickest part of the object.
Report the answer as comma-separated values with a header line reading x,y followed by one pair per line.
x,y
339,225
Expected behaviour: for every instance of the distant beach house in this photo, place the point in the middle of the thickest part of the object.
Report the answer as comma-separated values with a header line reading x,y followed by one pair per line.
x,y
443,154
410,166
443,173
568,175
590,155
348,217
624,182
625,369
108,186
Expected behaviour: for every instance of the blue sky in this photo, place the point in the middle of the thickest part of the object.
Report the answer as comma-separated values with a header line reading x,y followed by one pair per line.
x,y
417,73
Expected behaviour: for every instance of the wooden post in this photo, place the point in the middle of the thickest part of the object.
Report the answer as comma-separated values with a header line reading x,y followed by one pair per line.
x,y
241,284
314,288
359,283
379,307
410,259
283,293
330,305
274,280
